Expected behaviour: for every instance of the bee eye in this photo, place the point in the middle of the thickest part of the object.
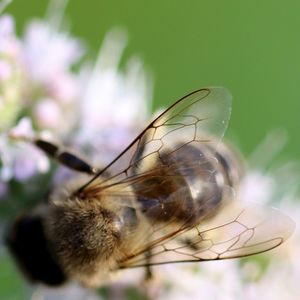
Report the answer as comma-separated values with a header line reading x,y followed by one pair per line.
x,y
27,242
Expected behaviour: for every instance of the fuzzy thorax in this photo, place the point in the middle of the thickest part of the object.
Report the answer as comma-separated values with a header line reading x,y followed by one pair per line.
x,y
84,235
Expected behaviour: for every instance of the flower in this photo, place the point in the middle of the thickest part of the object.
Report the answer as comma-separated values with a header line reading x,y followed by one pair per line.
x,y
114,104
48,53
96,108
38,88
10,73
20,161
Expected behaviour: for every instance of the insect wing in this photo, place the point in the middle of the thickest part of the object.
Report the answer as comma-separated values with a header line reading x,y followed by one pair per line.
x,y
238,230
200,117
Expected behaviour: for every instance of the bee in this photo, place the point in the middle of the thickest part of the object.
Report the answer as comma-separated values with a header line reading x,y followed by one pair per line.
x,y
169,197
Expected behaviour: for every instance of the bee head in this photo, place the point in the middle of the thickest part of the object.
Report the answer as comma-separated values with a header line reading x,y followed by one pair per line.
x,y
29,246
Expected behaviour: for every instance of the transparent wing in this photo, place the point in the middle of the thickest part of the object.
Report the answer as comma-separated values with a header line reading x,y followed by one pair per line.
x,y
237,230
177,222
200,117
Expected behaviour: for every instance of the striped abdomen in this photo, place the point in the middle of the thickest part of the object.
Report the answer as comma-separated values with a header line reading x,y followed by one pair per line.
x,y
188,184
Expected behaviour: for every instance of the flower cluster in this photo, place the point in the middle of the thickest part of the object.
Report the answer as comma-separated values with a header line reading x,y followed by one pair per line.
x,y
96,107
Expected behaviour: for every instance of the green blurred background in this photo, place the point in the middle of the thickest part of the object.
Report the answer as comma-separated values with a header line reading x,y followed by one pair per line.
x,y
250,47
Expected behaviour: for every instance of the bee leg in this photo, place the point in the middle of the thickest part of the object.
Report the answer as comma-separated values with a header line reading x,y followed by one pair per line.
x,y
151,285
148,273
148,270
66,158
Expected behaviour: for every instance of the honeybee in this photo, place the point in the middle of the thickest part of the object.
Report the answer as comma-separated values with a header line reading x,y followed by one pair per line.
x,y
170,196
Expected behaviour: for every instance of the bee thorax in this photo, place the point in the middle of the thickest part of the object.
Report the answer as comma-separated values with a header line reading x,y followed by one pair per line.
x,y
83,234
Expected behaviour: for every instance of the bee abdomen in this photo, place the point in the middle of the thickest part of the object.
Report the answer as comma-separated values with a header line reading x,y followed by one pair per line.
x,y
189,184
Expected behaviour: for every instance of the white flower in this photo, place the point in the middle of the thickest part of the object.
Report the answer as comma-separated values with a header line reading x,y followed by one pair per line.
x,y
9,44
21,160
114,104
48,114
48,53
68,292
48,56
10,72
257,186
5,70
